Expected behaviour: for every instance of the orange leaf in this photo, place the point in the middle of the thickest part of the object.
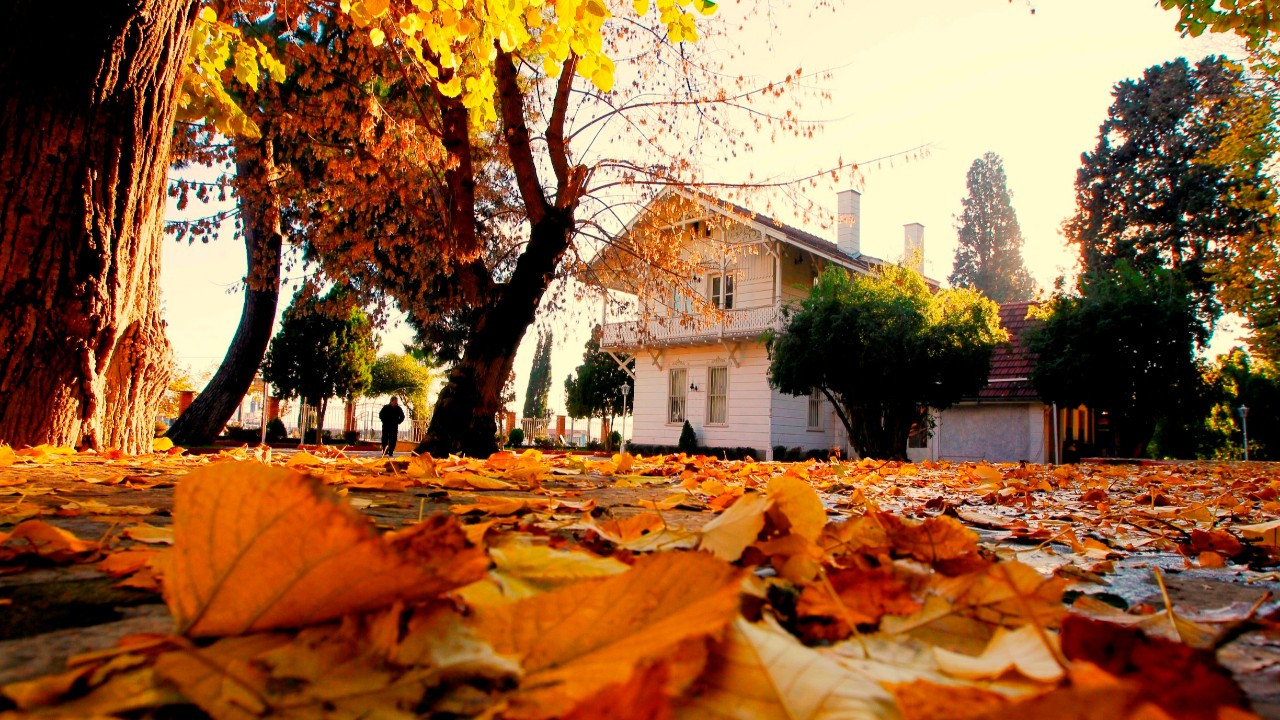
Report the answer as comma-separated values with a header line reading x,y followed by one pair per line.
x,y
620,530
864,597
796,501
258,548
924,700
37,537
577,641
125,562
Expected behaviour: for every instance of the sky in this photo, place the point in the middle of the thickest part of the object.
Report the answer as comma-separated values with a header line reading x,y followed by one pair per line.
x,y
959,77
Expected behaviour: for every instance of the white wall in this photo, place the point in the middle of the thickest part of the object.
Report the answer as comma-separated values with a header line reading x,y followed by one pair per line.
x,y
791,425
995,432
748,406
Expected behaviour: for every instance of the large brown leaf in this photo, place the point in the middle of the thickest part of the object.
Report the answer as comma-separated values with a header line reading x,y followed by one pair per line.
x,y
258,548
576,641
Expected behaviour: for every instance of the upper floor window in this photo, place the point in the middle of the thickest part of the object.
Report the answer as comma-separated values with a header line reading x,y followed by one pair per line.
x,y
681,304
721,291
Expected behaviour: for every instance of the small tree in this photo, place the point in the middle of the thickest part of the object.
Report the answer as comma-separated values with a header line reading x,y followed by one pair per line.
x,y
535,396
407,377
1125,344
595,388
324,349
989,258
884,349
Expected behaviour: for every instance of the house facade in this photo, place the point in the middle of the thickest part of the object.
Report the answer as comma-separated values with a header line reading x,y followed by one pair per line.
x,y
702,359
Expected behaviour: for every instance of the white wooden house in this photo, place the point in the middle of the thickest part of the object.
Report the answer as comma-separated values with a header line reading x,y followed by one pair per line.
x,y
710,368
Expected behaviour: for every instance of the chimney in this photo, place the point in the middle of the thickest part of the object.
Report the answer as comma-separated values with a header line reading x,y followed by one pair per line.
x,y
849,222
913,246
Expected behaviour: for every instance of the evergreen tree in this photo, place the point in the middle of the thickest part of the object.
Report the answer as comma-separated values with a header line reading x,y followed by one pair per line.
x,y
1153,194
989,258
535,396
593,389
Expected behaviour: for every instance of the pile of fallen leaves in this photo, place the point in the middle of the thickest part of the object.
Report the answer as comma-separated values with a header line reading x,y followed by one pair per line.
x,y
820,590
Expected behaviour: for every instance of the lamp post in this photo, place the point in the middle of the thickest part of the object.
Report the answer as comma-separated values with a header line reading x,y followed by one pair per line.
x,y
622,446
1244,427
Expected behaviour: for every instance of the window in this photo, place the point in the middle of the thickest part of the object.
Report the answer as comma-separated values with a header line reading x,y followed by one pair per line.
x,y
918,438
676,394
717,395
815,409
722,291
680,302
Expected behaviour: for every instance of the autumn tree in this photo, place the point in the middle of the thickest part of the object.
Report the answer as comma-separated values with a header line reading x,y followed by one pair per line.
x,y
884,349
595,388
407,377
538,81
1124,343
83,151
1239,379
1150,195
324,349
989,258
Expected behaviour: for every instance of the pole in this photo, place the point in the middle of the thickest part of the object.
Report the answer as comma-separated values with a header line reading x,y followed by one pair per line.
x,y
262,416
1244,427
1057,441
623,444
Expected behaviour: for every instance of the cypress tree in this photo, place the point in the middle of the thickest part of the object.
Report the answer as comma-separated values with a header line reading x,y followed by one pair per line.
x,y
989,258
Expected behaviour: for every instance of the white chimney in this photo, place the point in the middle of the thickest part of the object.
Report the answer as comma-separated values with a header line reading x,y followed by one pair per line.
x,y
849,222
913,246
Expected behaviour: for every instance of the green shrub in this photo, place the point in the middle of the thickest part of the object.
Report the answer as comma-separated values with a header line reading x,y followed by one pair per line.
x,y
515,438
351,437
276,430
688,442
615,439
779,452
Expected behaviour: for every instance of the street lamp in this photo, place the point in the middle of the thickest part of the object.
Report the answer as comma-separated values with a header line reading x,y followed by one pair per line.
x,y
1244,427
622,446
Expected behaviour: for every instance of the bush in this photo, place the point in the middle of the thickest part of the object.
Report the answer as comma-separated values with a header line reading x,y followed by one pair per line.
x,y
615,439
688,442
244,435
593,445
515,438
818,454
543,442
779,452
795,454
276,431
351,437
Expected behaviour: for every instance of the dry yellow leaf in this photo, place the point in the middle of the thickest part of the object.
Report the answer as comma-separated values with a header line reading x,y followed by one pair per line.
x,y
303,458
37,537
7,456
761,671
260,548
796,501
574,642
733,531
1024,650
149,534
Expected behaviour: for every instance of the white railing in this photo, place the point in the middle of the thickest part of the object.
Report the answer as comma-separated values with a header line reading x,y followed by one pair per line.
x,y
692,328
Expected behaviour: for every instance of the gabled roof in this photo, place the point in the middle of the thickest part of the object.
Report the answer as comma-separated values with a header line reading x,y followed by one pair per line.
x,y
1012,363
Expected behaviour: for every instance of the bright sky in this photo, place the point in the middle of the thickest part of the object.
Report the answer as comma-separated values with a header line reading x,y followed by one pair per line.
x,y
961,76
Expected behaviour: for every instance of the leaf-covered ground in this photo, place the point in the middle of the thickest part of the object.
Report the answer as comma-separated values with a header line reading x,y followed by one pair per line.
x,y
246,585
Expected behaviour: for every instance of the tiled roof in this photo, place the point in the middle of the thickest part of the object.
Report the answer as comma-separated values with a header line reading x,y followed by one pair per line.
x,y
1012,363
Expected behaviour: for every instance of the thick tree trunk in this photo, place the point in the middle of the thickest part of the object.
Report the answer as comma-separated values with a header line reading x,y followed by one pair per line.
x,y
84,148
204,420
464,420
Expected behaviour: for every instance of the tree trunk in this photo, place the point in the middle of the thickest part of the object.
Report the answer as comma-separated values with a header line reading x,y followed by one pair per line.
x,y
204,420
84,149
464,420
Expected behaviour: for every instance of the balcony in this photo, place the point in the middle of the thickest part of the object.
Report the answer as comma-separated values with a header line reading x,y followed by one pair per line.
x,y
692,329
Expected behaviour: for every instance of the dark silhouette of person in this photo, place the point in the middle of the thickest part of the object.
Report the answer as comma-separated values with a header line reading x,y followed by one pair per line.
x,y
391,416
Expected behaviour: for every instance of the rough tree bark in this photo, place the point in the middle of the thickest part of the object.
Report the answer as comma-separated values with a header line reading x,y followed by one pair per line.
x,y
84,149
260,218
465,419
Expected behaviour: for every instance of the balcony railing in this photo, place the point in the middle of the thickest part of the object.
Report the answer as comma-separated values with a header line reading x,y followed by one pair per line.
x,y
692,329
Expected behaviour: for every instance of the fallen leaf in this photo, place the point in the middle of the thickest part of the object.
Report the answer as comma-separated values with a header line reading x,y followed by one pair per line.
x,y
924,700
302,458
149,534
795,500
1024,650
734,530
7,456
761,671
523,569
862,597
161,444
574,642
258,547
39,538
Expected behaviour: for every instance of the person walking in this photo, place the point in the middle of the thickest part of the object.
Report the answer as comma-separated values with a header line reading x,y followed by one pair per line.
x,y
391,416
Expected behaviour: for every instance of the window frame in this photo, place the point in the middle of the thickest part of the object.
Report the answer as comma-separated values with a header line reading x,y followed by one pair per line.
x,y
683,397
711,394
721,288
813,417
